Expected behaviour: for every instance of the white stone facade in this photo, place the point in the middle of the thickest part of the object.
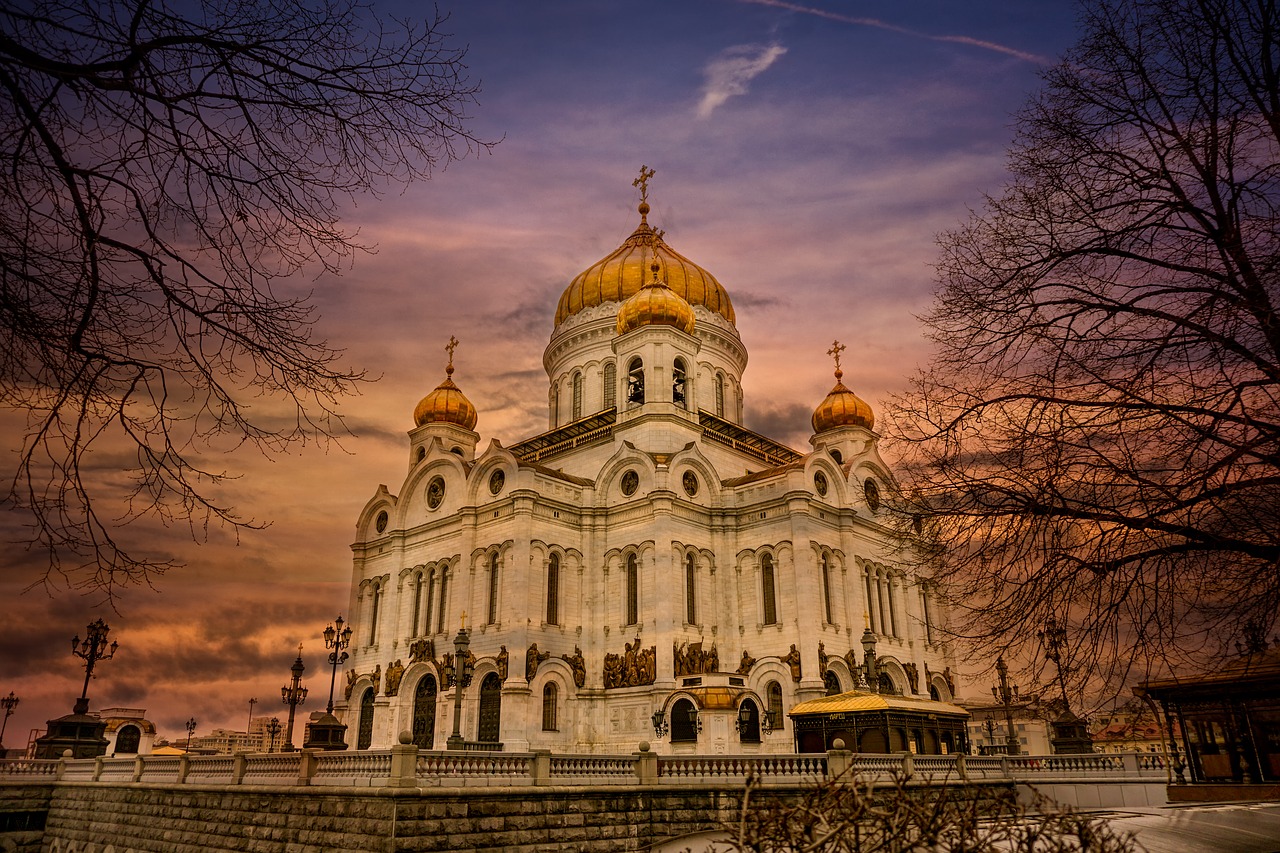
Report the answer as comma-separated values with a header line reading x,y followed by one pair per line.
x,y
652,531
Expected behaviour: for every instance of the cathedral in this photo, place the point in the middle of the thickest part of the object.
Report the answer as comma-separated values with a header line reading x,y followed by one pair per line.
x,y
646,569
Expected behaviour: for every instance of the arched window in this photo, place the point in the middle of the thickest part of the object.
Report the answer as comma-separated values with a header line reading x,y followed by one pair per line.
x,y
635,382
684,722
127,740
417,603
577,395
555,404
493,588
873,603
373,613
365,738
773,695
553,589
490,709
633,589
444,582
678,382
826,587
887,685
549,699
720,395
748,722
610,385
832,682
430,596
893,607
767,590
424,712
690,590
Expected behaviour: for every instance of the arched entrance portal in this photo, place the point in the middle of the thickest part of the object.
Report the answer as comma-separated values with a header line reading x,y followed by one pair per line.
x,y
424,712
127,740
365,738
490,709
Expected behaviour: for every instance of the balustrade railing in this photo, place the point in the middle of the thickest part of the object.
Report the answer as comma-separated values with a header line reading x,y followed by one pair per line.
x,y
406,766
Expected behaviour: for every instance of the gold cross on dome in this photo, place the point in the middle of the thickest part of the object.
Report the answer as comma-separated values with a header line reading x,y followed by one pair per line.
x,y
834,352
462,626
450,347
643,182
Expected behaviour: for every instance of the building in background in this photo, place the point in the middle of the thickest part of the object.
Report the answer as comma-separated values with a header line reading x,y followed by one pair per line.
x,y
128,732
646,569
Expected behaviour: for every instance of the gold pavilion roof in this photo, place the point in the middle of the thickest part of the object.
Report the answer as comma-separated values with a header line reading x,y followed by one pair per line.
x,y
624,271
857,700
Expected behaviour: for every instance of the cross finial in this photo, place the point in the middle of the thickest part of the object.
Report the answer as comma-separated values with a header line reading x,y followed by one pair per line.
x,y
643,182
834,352
462,625
449,348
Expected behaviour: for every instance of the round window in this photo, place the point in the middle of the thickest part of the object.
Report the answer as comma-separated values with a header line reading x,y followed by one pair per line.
x,y
820,483
690,481
630,482
496,481
381,523
435,492
872,492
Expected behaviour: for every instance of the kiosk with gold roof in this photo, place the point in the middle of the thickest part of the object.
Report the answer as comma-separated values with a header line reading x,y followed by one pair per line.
x,y
648,568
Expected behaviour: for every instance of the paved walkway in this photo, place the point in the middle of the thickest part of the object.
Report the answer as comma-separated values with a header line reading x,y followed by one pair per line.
x,y
1203,828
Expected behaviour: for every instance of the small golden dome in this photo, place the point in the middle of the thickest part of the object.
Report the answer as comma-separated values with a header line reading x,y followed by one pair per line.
x,y
623,272
655,304
841,407
447,404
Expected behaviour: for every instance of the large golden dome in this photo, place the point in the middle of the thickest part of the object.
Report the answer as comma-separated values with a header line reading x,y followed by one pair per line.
x,y
447,404
655,304
624,271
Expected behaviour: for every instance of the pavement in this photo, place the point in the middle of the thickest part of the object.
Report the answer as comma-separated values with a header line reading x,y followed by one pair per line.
x,y
1202,827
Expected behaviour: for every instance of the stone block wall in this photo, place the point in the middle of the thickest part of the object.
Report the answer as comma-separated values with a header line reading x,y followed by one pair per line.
x,y
194,819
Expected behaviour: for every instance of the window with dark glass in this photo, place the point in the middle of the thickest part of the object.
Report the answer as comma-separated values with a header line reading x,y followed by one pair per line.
x,y
748,722
549,697
444,578
553,589
373,613
610,388
826,587
429,592
720,395
690,590
633,590
678,383
493,588
767,590
365,736
417,604
577,396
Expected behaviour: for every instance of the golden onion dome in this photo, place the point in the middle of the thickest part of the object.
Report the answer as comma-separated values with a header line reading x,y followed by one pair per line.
x,y
446,404
841,407
655,304
622,273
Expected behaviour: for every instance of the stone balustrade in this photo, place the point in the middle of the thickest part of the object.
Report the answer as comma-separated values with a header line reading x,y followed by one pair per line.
x,y
406,766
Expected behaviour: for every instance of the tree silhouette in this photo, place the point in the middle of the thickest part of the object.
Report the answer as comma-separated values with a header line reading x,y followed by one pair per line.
x,y
165,168
1098,440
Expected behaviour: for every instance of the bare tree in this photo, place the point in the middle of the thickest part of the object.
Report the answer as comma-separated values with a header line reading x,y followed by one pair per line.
x,y
165,168
846,814
1098,440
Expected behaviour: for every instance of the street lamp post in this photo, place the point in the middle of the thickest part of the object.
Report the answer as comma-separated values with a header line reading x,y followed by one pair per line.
x,y
191,730
1006,697
91,650
294,695
461,646
336,640
249,725
273,730
8,703
871,669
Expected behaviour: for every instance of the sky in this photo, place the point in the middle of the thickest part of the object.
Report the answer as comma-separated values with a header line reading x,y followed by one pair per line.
x,y
806,154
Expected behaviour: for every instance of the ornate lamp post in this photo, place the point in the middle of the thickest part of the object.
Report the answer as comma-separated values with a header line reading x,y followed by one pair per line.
x,y
191,730
91,650
8,703
871,669
462,675
294,695
1006,697
1070,733
336,640
273,730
